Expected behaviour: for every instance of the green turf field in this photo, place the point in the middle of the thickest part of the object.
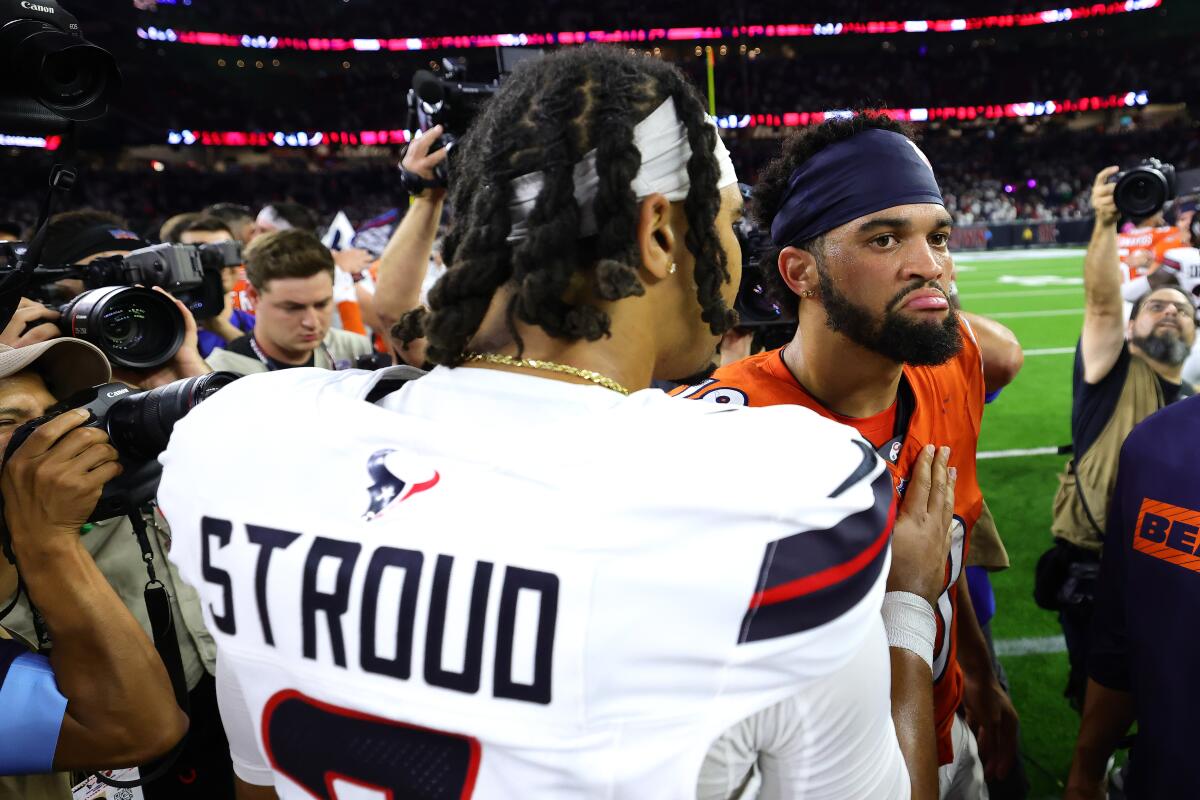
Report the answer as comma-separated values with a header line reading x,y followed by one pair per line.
x,y
1039,295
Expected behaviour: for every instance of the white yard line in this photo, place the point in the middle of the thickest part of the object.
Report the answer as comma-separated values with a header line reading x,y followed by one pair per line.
x,y
1032,451
1019,255
977,295
1056,312
1050,351
1031,646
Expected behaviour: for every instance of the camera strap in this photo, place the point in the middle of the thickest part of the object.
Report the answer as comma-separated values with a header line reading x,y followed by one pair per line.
x,y
162,623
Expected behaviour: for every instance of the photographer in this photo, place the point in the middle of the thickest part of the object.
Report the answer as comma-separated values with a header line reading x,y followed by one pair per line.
x,y
404,267
232,323
119,705
117,553
83,236
239,218
1124,372
291,278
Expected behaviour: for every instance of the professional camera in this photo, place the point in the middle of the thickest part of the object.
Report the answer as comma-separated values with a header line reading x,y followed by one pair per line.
x,y
49,74
139,425
134,326
1143,191
448,101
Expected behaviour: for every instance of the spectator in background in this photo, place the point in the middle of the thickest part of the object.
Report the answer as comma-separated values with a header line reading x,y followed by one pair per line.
x,y
239,219
291,277
1124,372
170,230
284,217
232,323
1141,654
1141,249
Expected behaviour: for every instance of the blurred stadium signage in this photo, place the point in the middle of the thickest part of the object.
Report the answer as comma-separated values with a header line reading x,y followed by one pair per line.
x,y
395,136
789,120
644,35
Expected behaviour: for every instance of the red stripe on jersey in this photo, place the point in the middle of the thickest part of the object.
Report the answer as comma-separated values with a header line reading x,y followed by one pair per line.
x,y
829,576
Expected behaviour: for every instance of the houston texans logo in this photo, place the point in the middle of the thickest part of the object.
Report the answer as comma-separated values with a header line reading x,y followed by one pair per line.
x,y
386,488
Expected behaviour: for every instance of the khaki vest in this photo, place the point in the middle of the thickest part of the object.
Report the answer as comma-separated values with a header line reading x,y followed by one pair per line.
x,y
1095,472
52,786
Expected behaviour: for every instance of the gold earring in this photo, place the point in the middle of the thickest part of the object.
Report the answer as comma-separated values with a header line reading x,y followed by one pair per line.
x,y
672,269
808,293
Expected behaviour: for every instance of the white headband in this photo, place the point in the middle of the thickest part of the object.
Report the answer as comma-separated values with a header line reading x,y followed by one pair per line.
x,y
661,139
270,217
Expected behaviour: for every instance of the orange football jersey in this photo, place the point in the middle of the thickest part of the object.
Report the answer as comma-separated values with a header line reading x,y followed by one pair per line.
x,y
1155,242
947,411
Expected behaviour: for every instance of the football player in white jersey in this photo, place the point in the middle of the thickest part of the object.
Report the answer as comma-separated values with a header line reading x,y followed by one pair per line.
x,y
514,578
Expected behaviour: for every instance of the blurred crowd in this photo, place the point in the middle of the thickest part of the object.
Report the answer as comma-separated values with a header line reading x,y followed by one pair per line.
x,y
999,173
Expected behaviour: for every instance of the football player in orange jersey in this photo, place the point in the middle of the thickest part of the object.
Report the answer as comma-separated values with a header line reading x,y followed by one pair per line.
x,y
862,237
1142,247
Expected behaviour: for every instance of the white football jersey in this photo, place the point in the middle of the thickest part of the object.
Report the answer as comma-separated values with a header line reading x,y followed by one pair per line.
x,y
494,585
1187,261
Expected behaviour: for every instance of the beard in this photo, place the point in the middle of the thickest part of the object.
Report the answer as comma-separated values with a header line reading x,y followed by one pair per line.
x,y
1165,348
895,337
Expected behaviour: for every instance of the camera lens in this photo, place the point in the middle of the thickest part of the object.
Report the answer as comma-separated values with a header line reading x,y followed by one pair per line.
x,y
68,75
135,327
72,77
1141,193
140,425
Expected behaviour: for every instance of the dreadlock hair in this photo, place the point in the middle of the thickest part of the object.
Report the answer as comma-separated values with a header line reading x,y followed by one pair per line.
x,y
546,117
773,181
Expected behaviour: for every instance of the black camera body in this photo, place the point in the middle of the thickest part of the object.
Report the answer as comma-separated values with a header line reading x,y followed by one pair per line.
x,y
134,326
1143,191
446,101
174,267
49,74
139,425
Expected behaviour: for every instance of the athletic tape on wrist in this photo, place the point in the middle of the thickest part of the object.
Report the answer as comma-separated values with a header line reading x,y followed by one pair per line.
x,y
910,624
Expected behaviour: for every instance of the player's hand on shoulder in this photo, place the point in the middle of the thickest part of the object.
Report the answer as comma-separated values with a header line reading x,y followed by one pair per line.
x,y
921,536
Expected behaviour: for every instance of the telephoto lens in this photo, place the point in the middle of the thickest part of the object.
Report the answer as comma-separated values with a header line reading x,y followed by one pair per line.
x,y
135,327
140,425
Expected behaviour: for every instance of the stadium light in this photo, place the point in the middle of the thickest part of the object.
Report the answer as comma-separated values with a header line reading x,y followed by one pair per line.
x,y
643,35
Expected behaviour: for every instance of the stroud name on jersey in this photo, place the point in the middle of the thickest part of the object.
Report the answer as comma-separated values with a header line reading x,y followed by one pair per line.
x,y
496,585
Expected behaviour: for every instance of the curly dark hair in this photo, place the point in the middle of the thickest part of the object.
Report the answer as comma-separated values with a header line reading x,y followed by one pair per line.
x,y
546,117
769,192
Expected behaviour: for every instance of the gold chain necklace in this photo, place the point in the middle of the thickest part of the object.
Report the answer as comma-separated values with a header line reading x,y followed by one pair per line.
x,y
550,366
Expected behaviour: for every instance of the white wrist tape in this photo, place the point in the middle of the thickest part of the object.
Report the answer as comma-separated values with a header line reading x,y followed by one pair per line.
x,y
910,624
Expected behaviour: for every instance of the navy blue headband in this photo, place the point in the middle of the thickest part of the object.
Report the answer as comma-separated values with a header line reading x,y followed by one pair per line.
x,y
868,172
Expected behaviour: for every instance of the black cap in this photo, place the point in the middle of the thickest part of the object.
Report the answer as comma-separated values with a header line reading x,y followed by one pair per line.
x,y
89,241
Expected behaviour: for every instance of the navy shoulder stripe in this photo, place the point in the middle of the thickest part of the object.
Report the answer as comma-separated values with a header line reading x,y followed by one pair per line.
x,y
810,578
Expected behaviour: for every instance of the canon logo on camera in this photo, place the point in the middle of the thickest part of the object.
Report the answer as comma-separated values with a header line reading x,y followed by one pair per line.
x,y
117,393
35,7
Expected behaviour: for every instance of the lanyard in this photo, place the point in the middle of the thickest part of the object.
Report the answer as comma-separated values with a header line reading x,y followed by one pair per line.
x,y
269,363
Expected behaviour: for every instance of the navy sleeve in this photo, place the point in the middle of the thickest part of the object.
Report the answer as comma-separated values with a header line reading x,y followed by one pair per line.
x,y
1108,659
